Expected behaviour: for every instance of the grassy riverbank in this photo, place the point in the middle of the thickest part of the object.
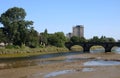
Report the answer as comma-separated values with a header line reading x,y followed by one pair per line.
x,y
26,52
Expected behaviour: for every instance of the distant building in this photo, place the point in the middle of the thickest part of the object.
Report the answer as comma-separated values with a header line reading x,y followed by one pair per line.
x,y
78,31
69,35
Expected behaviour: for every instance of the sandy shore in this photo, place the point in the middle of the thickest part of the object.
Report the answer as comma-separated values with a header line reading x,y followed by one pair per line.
x,y
77,66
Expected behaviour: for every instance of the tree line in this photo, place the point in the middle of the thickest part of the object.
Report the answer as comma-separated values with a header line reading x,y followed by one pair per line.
x,y
18,31
75,39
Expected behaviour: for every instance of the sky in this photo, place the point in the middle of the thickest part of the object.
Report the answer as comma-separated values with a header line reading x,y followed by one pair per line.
x,y
99,17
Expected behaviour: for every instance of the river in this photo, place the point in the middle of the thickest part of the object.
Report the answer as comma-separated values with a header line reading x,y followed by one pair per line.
x,y
38,60
62,65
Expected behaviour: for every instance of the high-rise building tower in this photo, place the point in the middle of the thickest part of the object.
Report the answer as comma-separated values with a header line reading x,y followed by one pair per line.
x,y
78,31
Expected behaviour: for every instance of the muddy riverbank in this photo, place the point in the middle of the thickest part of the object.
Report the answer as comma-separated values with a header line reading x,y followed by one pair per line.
x,y
72,69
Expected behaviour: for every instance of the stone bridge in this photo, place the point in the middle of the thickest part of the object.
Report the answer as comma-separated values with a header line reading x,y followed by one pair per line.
x,y
87,45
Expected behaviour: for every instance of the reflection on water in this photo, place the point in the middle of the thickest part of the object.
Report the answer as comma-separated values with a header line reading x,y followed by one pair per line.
x,y
36,60
102,50
101,63
97,49
87,69
53,74
57,73
24,63
116,50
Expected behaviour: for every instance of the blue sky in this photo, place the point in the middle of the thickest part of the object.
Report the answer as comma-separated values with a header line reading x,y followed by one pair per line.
x,y
99,17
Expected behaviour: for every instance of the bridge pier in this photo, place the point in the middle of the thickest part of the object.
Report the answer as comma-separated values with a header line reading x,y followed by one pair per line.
x,y
86,49
107,50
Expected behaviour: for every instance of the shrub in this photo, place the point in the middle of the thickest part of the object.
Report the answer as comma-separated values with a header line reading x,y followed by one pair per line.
x,y
76,48
12,47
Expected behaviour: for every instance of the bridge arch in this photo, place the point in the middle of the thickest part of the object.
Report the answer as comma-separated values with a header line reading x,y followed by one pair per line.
x,y
76,48
97,49
115,49
87,48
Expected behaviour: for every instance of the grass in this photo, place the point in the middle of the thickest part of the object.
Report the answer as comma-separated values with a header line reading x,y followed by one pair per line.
x,y
96,47
26,52
76,48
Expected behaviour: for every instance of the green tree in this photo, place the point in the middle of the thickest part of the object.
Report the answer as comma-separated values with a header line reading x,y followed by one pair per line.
x,y
110,39
16,28
82,39
2,35
33,38
103,39
94,39
57,39
74,39
44,38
